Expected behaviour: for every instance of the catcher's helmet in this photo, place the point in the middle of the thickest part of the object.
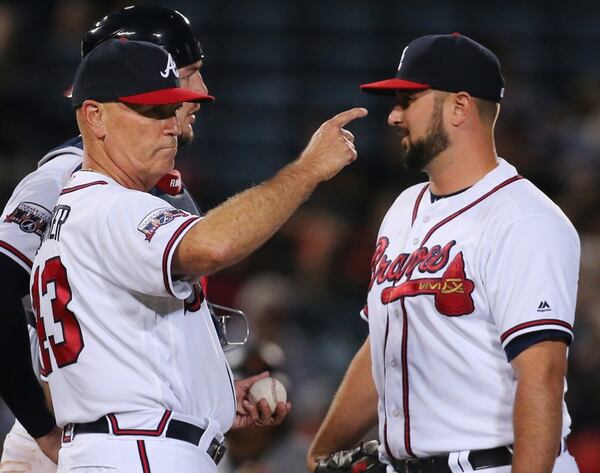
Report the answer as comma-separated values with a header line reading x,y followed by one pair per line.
x,y
160,25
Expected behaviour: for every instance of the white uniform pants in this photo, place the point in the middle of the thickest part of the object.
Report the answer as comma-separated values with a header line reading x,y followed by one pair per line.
x,y
21,454
565,463
104,453
458,463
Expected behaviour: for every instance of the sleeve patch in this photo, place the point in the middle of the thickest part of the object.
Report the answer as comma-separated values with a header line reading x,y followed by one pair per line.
x,y
31,218
157,218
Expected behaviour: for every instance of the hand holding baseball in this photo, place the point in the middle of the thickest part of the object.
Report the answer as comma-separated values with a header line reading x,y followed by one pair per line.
x,y
331,148
249,412
269,389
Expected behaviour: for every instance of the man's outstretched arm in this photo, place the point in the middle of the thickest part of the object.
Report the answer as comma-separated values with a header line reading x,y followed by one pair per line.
x,y
236,228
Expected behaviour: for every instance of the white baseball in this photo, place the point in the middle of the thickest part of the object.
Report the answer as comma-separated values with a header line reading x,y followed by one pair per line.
x,y
270,389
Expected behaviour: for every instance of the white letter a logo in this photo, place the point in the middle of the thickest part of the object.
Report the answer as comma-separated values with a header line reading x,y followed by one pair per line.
x,y
402,58
171,66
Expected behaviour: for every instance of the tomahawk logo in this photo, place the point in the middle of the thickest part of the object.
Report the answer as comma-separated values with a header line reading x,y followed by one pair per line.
x,y
452,292
171,67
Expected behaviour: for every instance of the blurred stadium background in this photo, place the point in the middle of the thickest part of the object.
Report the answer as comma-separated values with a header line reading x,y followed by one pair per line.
x,y
279,68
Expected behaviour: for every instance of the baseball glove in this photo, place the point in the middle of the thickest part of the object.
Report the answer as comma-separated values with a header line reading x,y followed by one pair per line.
x,y
364,458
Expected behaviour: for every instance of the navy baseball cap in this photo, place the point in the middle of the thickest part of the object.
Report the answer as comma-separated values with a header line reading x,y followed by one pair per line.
x,y
135,72
449,62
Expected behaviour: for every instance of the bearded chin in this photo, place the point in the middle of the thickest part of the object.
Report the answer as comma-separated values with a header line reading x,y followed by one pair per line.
x,y
422,152
415,158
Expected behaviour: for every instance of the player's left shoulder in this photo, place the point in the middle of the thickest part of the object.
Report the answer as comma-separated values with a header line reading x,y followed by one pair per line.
x,y
527,198
143,212
133,201
522,200
530,203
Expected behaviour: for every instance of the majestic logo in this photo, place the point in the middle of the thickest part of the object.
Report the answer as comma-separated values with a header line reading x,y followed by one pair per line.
x,y
544,307
452,292
158,218
31,218
171,67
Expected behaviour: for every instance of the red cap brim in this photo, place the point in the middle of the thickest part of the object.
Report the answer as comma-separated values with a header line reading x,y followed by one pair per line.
x,y
166,97
389,86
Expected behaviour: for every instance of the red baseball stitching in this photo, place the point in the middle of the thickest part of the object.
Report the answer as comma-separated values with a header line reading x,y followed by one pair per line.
x,y
274,390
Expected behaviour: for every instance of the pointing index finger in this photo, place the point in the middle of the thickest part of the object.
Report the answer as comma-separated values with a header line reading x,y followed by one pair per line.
x,y
342,119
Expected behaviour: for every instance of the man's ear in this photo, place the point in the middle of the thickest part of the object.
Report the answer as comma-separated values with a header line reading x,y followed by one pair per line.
x,y
93,115
462,106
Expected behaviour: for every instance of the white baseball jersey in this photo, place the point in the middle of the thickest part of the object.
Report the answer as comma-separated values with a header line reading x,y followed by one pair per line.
x,y
22,224
28,211
115,335
459,286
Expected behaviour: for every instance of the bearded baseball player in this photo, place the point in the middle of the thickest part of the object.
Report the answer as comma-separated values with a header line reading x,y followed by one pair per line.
x,y
28,212
472,296
137,383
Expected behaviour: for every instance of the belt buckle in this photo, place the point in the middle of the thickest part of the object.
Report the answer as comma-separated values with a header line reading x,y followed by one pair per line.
x,y
218,453
67,435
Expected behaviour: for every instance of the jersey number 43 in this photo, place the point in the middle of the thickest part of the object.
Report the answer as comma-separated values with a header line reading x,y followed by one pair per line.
x,y
66,341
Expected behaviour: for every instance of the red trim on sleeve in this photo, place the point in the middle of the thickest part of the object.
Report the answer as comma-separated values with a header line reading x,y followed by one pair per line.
x,y
68,190
535,323
16,253
167,251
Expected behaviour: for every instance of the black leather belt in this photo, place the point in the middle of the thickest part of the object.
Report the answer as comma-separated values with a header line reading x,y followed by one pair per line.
x,y
176,429
479,460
